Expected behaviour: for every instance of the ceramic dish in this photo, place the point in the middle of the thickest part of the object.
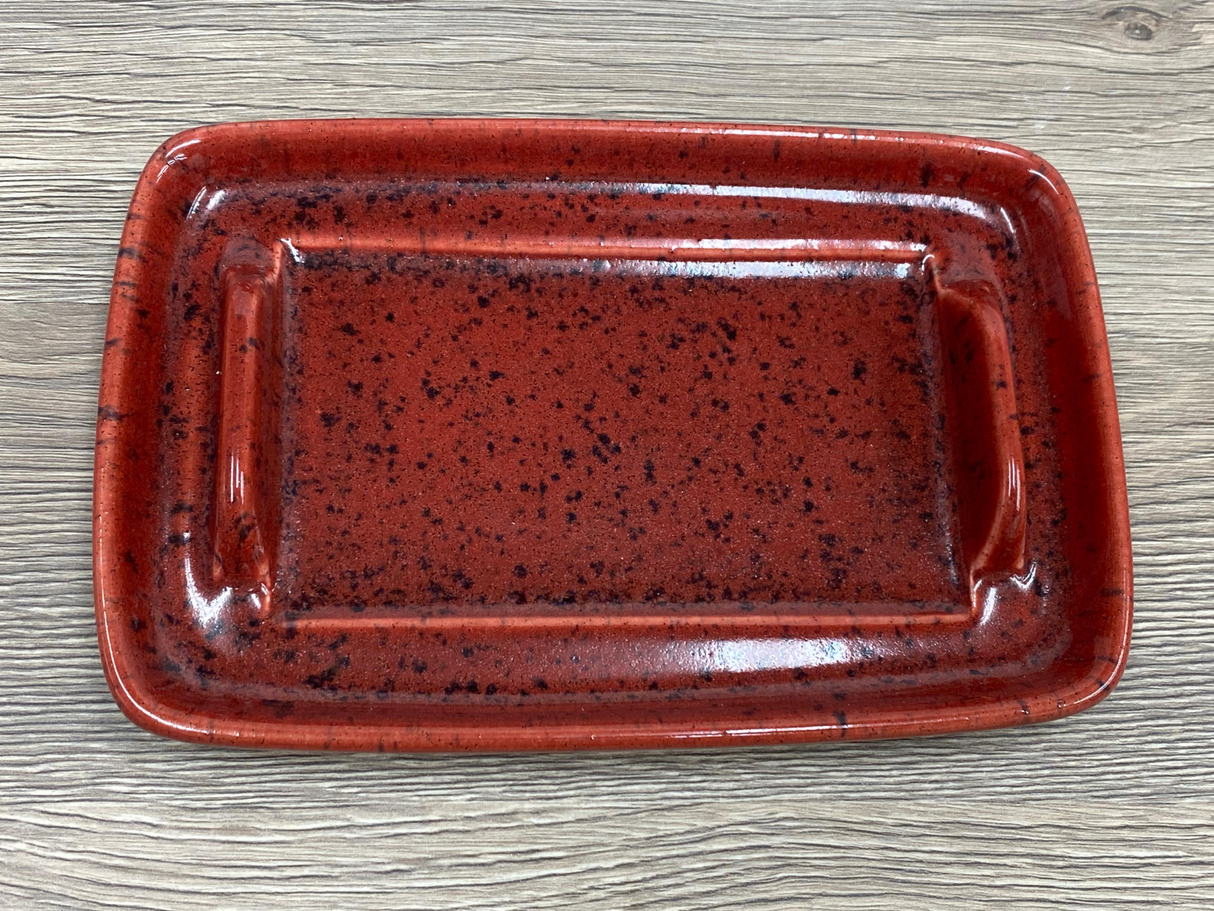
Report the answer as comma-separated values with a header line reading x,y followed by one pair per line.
x,y
535,435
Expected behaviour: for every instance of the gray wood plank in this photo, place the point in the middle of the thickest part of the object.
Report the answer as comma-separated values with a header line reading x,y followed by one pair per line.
x,y
1111,808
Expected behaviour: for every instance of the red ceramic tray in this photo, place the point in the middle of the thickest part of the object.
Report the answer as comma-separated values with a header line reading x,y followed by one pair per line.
x,y
513,434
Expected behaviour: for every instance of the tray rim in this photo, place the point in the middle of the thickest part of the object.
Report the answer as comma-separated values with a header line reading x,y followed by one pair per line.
x,y
144,707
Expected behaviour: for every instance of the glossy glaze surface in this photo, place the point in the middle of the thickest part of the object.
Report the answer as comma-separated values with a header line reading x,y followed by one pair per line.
x,y
509,434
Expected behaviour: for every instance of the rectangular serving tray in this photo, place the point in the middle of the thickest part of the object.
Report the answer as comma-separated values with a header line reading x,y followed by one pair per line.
x,y
498,434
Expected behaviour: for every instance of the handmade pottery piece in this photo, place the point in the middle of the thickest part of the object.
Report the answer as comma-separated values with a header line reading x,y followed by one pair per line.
x,y
477,434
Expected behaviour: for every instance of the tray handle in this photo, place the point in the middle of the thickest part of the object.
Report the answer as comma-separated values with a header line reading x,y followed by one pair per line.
x,y
244,513
985,427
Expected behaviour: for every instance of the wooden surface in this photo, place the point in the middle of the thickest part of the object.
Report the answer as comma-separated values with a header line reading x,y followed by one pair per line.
x,y
1113,808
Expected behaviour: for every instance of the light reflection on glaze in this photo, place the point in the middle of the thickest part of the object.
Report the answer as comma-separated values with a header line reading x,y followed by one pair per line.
x,y
207,610
873,198
749,655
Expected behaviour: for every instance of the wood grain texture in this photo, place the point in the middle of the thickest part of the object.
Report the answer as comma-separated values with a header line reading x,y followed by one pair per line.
x,y
1113,808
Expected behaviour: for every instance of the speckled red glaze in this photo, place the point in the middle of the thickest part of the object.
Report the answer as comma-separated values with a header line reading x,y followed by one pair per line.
x,y
466,434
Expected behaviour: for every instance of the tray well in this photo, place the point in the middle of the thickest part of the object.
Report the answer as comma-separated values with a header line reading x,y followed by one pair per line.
x,y
477,435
